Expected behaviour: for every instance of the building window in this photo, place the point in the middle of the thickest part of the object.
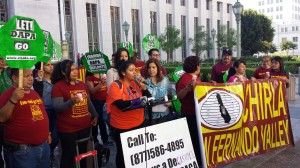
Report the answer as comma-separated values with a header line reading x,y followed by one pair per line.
x,y
208,30
3,10
182,2
281,8
286,29
207,4
92,24
69,25
183,35
169,1
115,27
153,22
283,39
169,19
195,3
196,23
136,30
295,39
293,28
218,25
218,6
282,29
297,28
228,8
228,25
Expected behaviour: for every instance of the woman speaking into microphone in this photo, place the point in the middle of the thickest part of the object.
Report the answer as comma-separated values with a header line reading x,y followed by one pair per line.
x,y
124,104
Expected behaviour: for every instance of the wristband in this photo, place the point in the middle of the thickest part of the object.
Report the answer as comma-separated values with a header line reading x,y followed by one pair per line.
x,y
12,102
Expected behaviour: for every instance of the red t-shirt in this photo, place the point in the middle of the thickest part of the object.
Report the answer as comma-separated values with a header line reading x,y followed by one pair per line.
x,y
128,119
29,122
163,70
259,73
218,70
280,75
101,94
138,66
187,103
77,117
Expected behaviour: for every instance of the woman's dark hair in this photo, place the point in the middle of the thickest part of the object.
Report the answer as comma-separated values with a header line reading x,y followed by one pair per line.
x,y
88,74
159,74
37,67
60,68
190,64
118,56
280,60
232,70
124,65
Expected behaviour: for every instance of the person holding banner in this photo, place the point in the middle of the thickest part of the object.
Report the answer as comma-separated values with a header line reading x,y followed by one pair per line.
x,y
154,53
124,102
185,93
158,86
26,125
260,72
5,83
75,111
237,71
220,68
112,73
277,70
96,84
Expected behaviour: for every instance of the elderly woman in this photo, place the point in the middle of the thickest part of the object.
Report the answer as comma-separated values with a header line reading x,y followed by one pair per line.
x,y
185,93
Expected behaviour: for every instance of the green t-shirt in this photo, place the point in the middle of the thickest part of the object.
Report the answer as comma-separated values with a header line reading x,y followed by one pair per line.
x,y
5,81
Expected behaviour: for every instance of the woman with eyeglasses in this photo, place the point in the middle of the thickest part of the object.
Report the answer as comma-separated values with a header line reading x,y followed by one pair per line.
x,y
125,104
185,93
75,111
158,86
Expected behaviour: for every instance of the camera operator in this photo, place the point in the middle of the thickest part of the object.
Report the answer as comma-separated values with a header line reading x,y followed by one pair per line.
x,y
125,105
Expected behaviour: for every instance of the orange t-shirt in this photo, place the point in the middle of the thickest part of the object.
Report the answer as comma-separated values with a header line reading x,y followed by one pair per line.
x,y
118,118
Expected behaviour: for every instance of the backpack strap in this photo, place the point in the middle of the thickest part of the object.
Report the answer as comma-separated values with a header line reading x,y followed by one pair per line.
x,y
119,83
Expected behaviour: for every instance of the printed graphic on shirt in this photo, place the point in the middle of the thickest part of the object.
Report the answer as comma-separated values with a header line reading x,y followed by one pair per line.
x,y
80,109
103,87
36,113
30,101
278,77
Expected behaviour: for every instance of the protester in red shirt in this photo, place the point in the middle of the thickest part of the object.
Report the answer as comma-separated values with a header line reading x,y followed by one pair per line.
x,y
76,113
260,72
124,104
220,68
26,125
185,93
96,83
154,53
138,64
277,70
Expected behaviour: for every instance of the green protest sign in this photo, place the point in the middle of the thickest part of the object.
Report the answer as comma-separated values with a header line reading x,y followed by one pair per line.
x,y
57,55
150,41
22,42
1,23
48,47
96,62
178,72
128,46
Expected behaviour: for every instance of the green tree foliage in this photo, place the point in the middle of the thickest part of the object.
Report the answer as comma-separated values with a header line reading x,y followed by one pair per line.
x,y
226,38
268,47
255,28
287,45
170,40
199,43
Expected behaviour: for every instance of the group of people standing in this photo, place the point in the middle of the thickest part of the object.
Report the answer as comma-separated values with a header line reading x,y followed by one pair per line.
x,y
62,109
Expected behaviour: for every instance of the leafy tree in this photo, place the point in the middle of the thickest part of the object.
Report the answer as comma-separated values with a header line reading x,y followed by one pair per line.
x,y
268,47
170,41
287,45
255,28
226,38
199,43
221,37
231,38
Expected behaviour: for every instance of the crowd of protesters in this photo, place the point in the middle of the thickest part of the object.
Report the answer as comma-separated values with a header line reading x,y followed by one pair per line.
x,y
53,108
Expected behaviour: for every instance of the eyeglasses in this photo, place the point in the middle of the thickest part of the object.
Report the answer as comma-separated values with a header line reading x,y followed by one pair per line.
x,y
155,55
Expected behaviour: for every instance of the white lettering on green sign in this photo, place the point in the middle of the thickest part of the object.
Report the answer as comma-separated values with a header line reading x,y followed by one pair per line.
x,y
24,25
15,57
22,35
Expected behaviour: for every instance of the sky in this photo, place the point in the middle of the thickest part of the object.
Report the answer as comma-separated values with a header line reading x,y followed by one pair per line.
x,y
248,4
